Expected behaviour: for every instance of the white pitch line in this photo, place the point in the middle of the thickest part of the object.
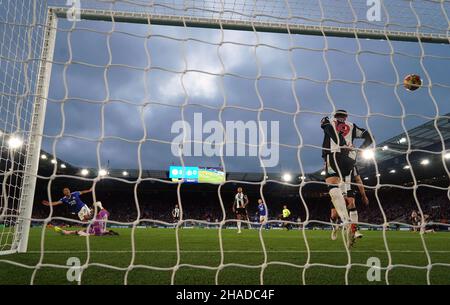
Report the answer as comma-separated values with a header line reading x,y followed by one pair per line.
x,y
236,251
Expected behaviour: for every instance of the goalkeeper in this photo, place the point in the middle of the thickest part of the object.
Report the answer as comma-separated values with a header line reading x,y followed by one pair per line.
x,y
97,228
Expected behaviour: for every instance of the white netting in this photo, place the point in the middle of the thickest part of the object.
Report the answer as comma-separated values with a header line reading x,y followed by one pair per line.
x,y
21,39
116,75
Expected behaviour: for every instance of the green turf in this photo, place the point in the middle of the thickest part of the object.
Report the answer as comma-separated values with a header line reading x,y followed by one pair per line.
x,y
157,248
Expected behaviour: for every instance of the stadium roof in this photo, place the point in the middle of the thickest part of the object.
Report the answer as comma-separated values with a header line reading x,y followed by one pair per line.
x,y
422,137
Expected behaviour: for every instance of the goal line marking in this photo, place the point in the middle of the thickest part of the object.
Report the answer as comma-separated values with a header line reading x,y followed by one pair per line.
x,y
233,251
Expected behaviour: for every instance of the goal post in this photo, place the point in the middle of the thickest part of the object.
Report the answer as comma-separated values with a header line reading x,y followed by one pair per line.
x,y
36,133
21,38
28,100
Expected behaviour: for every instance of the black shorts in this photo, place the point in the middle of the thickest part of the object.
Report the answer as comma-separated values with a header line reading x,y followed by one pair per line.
x,y
241,211
338,165
350,187
176,219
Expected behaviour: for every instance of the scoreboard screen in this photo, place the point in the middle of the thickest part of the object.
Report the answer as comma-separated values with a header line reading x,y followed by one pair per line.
x,y
197,174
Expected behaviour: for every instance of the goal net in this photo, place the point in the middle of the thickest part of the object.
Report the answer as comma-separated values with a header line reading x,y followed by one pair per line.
x,y
22,32
128,99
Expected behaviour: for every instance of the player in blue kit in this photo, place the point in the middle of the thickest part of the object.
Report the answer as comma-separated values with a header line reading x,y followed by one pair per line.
x,y
74,202
262,213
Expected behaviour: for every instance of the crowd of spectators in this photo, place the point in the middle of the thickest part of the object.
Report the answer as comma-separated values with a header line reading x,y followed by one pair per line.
x,y
205,205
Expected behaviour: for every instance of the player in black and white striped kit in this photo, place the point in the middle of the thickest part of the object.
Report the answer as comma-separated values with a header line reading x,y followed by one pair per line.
x,y
340,158
240,207
176,213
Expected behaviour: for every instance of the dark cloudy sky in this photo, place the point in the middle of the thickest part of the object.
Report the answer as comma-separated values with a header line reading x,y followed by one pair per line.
x,y
96,113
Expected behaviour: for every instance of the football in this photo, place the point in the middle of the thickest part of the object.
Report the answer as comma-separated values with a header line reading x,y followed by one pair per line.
x,y
412,82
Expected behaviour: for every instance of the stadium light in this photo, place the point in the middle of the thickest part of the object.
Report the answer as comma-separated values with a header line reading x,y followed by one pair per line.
x,y
406,167
402,140
84,172
392,171
425,162
447,156
44,157
63,166
378,175
368,154
125,173
53,161
287,177
14,142
322,173
366,178
385,147
302,177
102,173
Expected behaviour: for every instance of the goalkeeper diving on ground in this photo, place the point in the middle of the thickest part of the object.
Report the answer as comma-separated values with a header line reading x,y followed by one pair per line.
x,y
98,226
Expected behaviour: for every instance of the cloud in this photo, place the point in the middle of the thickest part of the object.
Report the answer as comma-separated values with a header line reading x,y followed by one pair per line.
x,y
161,84
197,85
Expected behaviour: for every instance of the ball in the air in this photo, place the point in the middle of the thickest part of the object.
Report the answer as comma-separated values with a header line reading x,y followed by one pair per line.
x,y
412,82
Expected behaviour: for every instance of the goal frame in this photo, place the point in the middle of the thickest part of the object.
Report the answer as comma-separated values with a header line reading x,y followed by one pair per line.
x,y
33,149
258,26
21,235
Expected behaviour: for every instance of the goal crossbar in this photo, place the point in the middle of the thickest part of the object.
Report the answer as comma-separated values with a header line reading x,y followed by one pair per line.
x,y
260,26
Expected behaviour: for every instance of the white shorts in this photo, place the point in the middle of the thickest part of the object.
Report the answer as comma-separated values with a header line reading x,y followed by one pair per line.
x,y
85,211
262,218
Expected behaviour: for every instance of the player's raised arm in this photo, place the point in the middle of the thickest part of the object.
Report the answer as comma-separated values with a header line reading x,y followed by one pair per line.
x,y
54,203
330,131
86,191
361,133
361,189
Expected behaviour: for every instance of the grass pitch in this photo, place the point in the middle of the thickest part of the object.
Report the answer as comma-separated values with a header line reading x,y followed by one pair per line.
x,y
110,256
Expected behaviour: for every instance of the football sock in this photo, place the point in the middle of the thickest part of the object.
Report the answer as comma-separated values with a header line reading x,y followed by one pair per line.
x,y
353,215
339,203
